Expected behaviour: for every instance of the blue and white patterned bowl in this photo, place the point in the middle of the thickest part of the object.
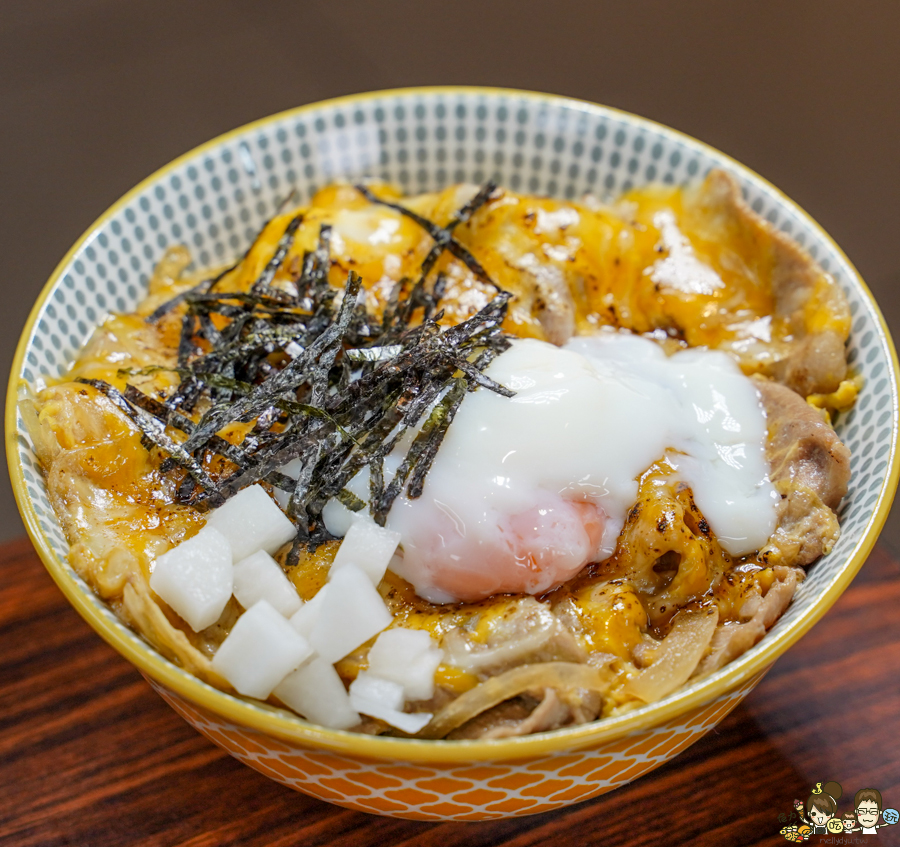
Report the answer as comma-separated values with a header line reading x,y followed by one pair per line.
x,y
215,198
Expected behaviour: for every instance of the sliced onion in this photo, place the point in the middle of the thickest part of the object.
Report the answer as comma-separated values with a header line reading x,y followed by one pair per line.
x,y
678,655
560,676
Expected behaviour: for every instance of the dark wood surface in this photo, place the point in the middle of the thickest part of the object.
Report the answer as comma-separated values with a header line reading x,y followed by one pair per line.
x,y
90,756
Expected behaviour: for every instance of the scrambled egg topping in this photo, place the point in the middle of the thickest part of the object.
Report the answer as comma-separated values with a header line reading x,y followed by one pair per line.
x,y
666,261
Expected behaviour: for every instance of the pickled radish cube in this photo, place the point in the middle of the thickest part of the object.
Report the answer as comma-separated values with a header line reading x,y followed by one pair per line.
x,y
315,691
305,619
408,657
368,546
409,722
195,577
351,613
383,699
260,577
292,468
251,522
371,688
260,651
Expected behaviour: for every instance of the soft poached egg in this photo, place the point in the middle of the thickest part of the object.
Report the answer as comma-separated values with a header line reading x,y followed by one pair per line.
x,y
525,491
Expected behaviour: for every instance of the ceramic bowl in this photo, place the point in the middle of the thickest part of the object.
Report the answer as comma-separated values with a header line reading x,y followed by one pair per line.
x,y
215,198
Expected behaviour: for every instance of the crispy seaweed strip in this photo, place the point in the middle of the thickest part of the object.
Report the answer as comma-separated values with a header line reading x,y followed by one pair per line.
x,y
286,201
201,288
260,469
208,329
350,500
167,307
461,216
312,285
302,369
448,408
214,380
263,284
186,344
442,236
321,257
430,227
479,378
425,445
319,380
373,354
154,431
293,408
175,419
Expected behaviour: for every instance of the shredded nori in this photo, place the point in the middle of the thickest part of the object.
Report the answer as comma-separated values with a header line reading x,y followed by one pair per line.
x,y
318,379
443,235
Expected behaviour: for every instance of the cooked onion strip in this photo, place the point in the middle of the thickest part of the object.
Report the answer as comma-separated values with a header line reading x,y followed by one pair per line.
x,y
566,678
678,655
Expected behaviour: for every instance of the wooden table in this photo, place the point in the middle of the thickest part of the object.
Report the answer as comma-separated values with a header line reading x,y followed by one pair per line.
x,y
90,756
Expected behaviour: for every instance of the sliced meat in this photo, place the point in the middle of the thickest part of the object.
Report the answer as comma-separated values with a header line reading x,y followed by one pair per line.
x,y
535,712
810,468
759,613
808,300
527,632
817,364
806,530
552,302
520,716
802,447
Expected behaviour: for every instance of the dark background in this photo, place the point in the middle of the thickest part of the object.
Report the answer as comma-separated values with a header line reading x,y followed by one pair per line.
x,y
97,94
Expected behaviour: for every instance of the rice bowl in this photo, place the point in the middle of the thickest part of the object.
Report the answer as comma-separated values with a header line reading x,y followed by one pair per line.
x,y
563,126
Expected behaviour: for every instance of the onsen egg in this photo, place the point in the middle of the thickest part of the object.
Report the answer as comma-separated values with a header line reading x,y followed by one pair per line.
x,y
525,491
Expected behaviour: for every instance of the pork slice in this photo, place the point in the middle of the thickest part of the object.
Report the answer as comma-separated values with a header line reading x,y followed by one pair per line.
x,y
528,632
759,613
810,468
802,446
816,360
530,713
552,302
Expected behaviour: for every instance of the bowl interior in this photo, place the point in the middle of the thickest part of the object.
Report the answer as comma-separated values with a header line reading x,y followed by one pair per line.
x,y
215,198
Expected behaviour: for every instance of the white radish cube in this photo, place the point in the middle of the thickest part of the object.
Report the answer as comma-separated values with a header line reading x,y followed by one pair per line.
x,y
260,577
383,699
315,691
195,578
371,688
260,651
351,613
408,657
305,619
409,722
251,521
418,683
292,468
368,546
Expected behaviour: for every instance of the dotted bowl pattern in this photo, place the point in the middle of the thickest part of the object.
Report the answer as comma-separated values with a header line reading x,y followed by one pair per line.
x,y
216,199
471,792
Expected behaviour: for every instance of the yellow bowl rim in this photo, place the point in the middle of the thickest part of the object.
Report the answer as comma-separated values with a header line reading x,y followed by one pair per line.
x,y
281,724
